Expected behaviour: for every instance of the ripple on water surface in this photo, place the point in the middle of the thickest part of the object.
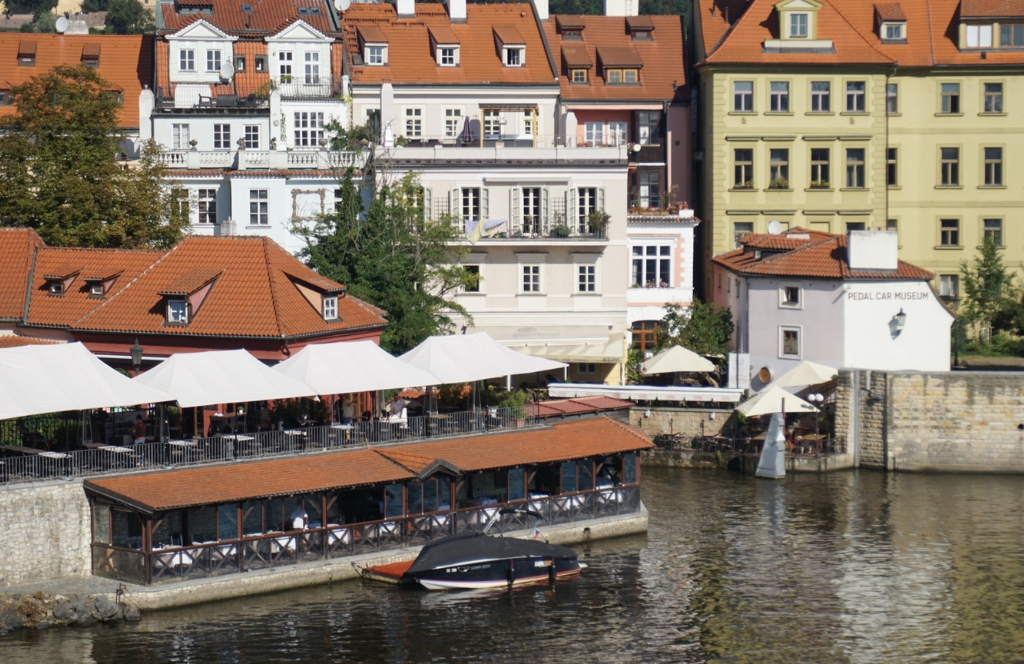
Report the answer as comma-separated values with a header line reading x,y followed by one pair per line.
x,y
847,567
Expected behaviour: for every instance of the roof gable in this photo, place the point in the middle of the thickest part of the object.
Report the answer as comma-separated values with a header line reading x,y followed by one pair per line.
x,y
201,30
299,30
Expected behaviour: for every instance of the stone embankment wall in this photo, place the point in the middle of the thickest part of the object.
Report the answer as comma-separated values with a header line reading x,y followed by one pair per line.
x,y
44,532
685,421
948,422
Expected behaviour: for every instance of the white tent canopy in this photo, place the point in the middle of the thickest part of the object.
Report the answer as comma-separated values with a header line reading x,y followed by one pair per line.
x,y
464,358
62,377
770,401
804,374
221,376
352,366
676,359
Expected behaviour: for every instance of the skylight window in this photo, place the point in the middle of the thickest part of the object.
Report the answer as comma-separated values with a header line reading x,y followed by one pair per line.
x,y
247,9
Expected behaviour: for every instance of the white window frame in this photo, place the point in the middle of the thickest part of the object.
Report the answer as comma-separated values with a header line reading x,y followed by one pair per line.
x,y
644,256
203,207
311,67
330,307
447,56
259,207
177,312
413,119
308,128
534,273
786,304
799,342
888,35
802,31
213,60
222,136
187,59
376,55
285,59
648,193
251,133
180,136
514,56
586,265
453,119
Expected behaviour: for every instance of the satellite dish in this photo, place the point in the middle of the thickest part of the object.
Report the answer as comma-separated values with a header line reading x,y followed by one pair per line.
x,y
62,24
765,374
342,5
774,227
227,70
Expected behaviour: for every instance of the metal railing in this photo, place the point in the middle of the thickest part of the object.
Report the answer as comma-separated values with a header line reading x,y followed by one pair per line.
x,y
278,549
108,459
257,159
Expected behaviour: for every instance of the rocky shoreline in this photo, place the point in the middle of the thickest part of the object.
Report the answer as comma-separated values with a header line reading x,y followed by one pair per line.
x,y
42,611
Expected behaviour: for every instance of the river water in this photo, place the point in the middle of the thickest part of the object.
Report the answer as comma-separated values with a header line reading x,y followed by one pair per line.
x,y
845,567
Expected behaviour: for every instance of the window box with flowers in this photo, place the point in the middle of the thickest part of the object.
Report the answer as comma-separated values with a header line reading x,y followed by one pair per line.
x,y
821,185
779,183
749,184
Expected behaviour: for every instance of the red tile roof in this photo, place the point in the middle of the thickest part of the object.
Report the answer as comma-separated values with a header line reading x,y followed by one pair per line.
x,y
744,43
126,62
606,40
576,406
817,258
14,340
992,9
244,83
411,60
595,436
890,12
256,295
17,248
716,17
267,17
794,238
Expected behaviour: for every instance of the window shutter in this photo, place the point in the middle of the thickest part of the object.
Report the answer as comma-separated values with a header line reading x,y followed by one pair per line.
x,y
544,211
427,206
455,204
515,208
484,207
600,199
570,208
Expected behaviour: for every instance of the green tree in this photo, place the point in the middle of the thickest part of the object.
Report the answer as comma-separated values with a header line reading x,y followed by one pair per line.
x,y
35,7
58,163
990,295
392,255
129,17
705,328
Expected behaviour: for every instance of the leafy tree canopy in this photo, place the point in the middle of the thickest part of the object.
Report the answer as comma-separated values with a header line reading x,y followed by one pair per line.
x,y
128,17
989,290
58,163
705,328
390,254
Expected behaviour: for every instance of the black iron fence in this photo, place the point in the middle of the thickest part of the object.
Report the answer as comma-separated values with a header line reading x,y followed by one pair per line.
x,y
31,465
801,446
271,550
56,430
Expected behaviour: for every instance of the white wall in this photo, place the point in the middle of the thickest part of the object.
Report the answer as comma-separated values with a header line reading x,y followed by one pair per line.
x,y
201,129
870,309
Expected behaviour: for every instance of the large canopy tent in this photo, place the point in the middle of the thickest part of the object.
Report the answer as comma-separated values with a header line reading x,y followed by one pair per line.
x,y
464,358
805,374
348,367
64,377
676,359
774,400
221,377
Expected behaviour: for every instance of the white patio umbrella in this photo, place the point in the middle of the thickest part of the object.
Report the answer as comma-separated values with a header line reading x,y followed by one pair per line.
x,y
676,359
62,377
221,376
346,367
770,401
804,374
464,358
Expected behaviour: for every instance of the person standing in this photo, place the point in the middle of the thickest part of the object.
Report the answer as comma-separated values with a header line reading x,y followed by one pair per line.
x,y
139,431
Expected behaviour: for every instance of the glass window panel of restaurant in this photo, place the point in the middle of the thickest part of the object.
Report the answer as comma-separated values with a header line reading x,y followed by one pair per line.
x,y
629,468
609,472
585,475
252,518
545,480
169,530
394,502
202,524
568,476
127,529
294,512
427,496
312,505
273,516
100,523
227,521
516,484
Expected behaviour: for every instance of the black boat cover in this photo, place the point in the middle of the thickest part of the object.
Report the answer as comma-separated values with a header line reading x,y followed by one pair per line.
x,y
461,549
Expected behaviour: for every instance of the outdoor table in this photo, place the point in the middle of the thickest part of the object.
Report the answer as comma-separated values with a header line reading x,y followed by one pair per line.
x,y
187,449
346,431
174,559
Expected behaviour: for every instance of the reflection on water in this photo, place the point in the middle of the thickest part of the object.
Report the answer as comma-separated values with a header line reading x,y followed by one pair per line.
x,y
848,567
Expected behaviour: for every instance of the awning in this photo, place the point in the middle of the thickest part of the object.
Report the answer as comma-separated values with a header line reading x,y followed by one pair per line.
x,y
610,350
352,366
463,358
771,401
221,376
53,378
676,359
805,374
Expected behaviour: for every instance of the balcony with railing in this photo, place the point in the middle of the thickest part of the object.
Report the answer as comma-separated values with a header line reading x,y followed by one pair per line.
x,y
241,160
306,87
512,149
193,102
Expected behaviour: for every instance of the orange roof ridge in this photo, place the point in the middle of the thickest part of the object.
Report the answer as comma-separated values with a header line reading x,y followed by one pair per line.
x,y
273,291
131,281
637,433
835,6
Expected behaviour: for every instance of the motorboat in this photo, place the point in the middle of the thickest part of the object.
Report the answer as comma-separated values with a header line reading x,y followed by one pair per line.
x,y
479,560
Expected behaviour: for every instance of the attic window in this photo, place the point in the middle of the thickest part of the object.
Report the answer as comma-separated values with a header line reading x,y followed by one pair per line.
x,y
27,54
514,56
177,312
260,63
309,11
330,307
572,35
447,56
640,27
642,35
621,75
91,55
96,289
247,9
578,75
890,32
56,287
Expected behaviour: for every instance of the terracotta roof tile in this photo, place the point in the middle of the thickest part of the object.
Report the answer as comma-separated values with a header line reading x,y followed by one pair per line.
x,y
371,34
414,463
255,295
192,280
595,436
17,250
744,42
442,34
992,9
267,17
243,83
509,35
411,60
663,77
716,17
126,63
576,406
15,340
570,21
639,23
792,239
821,258
890,12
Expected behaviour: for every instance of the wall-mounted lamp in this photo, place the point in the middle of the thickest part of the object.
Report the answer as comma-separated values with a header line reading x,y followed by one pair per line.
x,y
897,323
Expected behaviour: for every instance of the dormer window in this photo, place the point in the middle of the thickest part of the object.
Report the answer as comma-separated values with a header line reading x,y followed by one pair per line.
x,y
91,55
798,23
27,54
511,45
446,56
375,46
1011,35
893,31
375,55
798,28
640,27
96,289
578,75
445,43
56,288
979,36
514,56
177,312
330,307
572,35
571,27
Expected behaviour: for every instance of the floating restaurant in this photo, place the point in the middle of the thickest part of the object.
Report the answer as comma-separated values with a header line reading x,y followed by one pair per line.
x,y
171,526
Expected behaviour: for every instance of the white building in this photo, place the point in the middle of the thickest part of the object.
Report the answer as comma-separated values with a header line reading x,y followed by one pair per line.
x,y
842,301
243,94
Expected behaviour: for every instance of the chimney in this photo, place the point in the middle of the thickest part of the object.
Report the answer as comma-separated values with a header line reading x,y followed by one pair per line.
x,y
621,7
405,8
456,10
872,250
541,7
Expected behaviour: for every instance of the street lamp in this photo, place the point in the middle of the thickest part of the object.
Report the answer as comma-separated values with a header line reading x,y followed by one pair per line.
x,y
816,399
136,356
901,320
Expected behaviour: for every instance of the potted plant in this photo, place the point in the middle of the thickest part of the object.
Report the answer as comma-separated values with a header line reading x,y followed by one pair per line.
x,y
597,221
821,184
749,184
560,230
779,183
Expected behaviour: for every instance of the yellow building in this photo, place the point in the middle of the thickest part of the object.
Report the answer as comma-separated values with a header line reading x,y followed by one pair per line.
x,y
855,115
